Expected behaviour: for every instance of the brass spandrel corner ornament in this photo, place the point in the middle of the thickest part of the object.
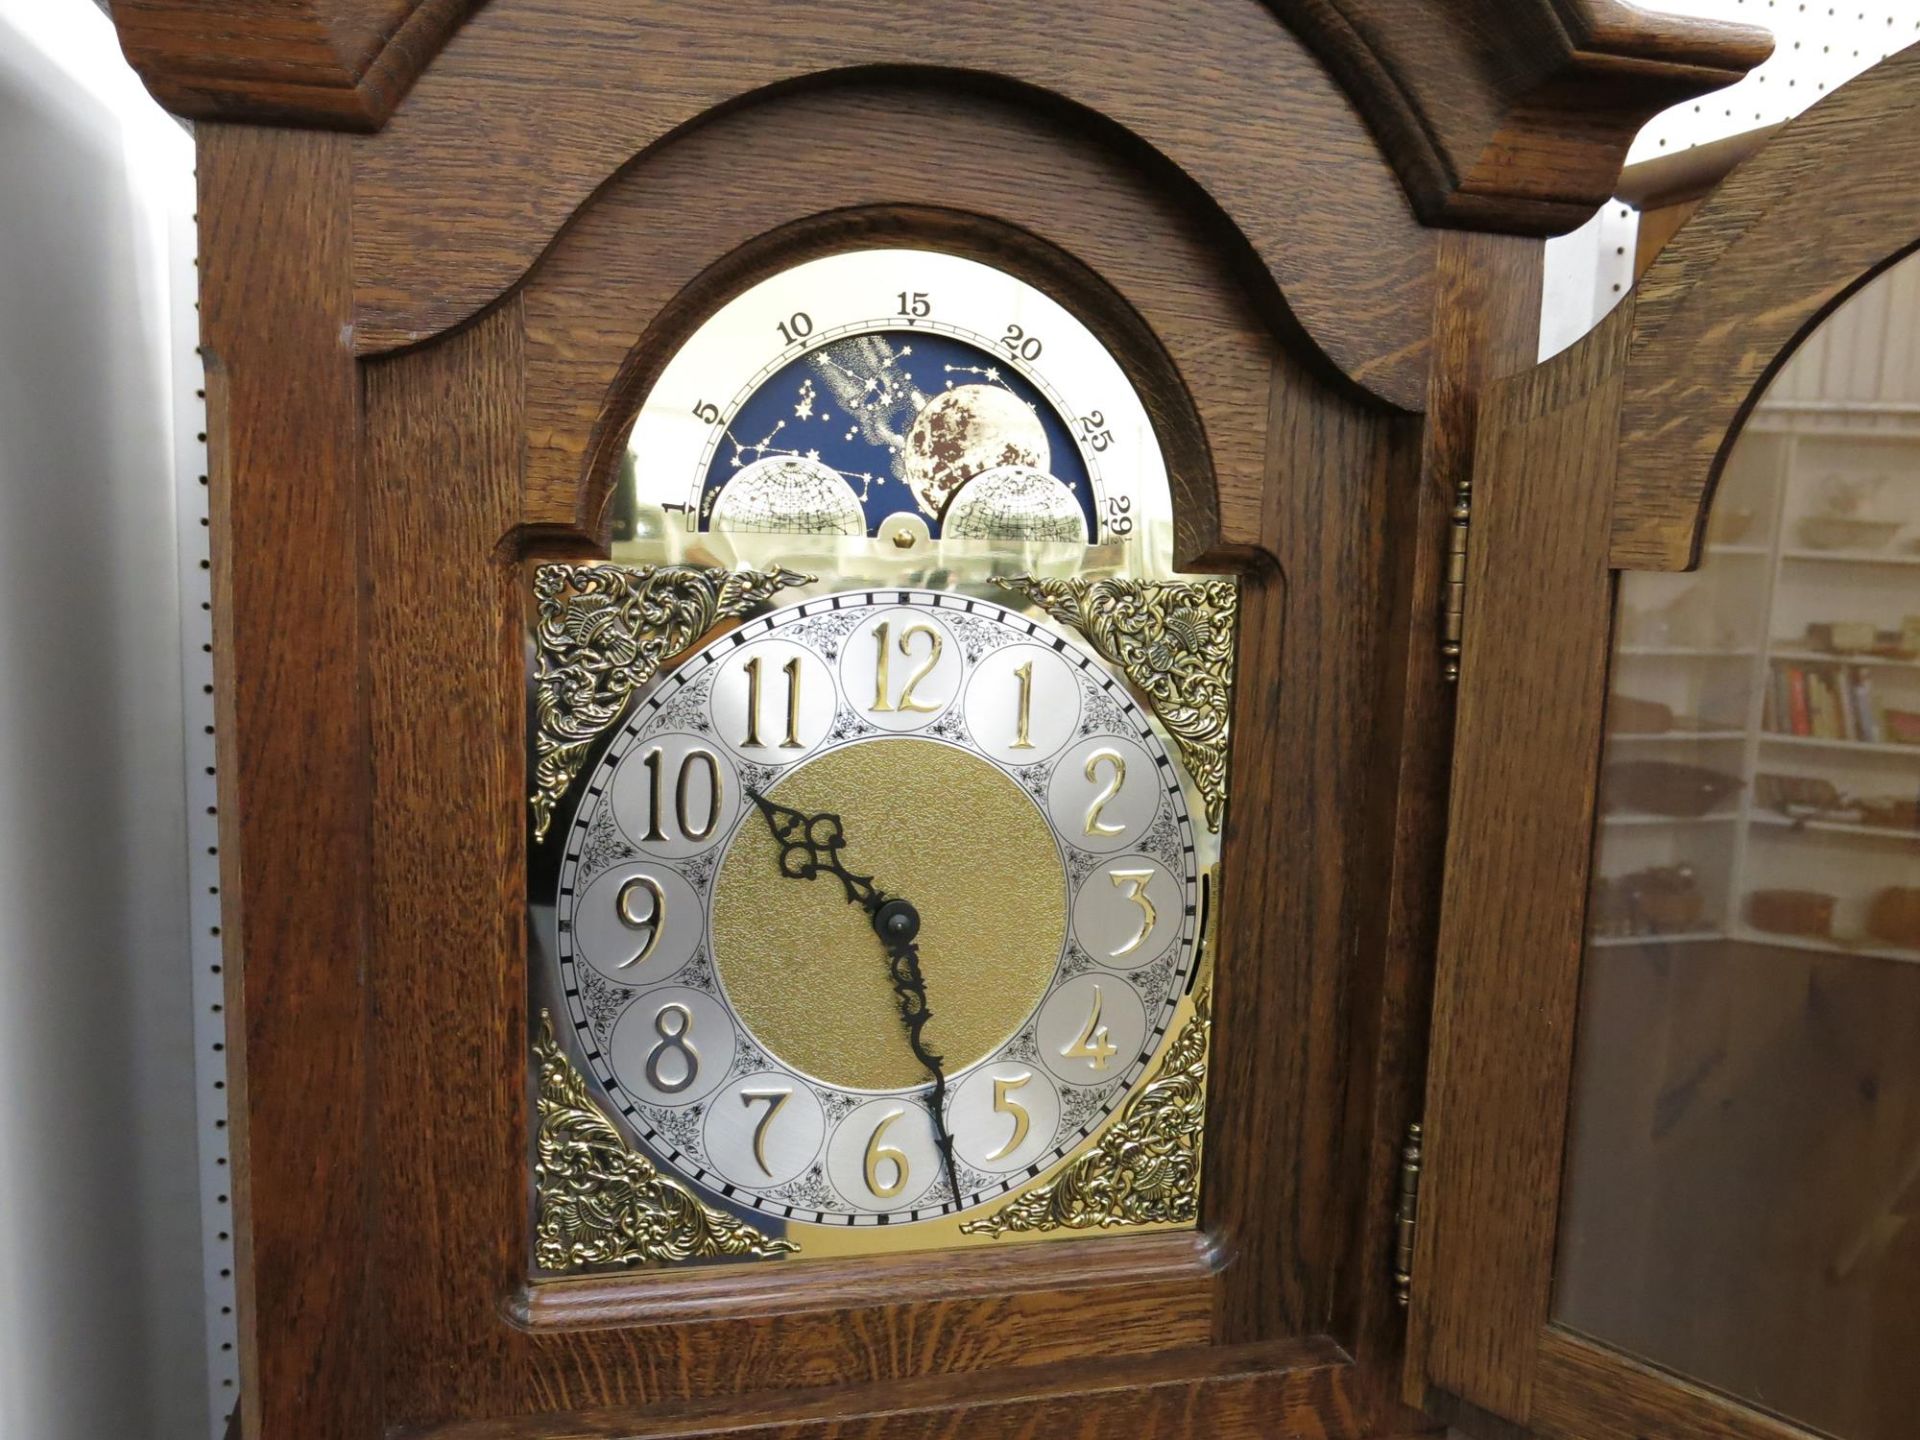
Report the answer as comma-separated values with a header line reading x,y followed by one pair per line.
x,y
598,1202
605,630
1173,639
1144,1169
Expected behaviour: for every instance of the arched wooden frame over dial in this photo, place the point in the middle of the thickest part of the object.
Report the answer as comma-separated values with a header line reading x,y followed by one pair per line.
x,y
423,346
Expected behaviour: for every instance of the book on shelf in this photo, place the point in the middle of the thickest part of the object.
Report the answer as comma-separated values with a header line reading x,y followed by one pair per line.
x,y
1821,702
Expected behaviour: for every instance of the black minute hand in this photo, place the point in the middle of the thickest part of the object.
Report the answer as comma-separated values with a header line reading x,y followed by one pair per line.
x,y
810,846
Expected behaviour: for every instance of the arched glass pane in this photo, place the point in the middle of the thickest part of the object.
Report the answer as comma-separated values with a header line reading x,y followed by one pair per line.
x,y
1743,1196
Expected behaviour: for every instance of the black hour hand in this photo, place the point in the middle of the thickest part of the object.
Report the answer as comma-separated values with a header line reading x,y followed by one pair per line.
x,y
810,846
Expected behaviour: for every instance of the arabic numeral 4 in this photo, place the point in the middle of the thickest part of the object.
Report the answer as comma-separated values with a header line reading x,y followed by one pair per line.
x,y
1094,433
707,412
796,327
1119,515
1020,343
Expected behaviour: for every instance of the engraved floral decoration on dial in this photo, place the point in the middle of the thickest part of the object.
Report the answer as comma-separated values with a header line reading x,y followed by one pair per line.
x,y
746,1030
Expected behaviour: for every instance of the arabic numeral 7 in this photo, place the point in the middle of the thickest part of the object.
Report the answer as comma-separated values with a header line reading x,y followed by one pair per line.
x,y
914,305
1094,433
1019,343
706,411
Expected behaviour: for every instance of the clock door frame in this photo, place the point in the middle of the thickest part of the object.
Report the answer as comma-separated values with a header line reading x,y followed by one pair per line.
x,y
1601,461
425,322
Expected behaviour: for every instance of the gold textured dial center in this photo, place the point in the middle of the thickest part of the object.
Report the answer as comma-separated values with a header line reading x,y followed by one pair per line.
x,y
938,826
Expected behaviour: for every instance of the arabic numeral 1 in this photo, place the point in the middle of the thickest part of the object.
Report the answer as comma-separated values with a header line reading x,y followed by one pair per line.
x,y
707,412
796,327
1119,518
1019,343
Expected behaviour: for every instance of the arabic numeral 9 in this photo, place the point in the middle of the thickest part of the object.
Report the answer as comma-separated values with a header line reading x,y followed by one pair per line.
x,y
707,412
1119,518
1019,343
796,327
1094,433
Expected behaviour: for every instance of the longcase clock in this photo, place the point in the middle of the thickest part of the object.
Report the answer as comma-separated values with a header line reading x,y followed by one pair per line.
x,y
837,648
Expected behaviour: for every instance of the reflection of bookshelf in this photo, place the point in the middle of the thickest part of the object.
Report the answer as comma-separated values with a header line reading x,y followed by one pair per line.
x,y
1743,613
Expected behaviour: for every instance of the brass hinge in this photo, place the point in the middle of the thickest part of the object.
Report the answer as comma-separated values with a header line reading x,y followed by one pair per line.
x,y
1406,1216
1453,611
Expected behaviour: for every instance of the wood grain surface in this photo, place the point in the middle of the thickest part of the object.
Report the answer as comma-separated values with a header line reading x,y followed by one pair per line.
x,y
1827,203
1511,930
288,523
1583,1391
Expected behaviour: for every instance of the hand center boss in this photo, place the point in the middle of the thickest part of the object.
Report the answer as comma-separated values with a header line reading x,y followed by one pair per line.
x,y
810,846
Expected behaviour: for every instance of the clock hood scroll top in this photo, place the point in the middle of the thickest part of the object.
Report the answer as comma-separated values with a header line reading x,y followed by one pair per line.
x,y
1174,640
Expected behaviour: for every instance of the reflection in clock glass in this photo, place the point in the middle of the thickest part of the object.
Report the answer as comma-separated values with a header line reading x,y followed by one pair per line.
x,y
903,419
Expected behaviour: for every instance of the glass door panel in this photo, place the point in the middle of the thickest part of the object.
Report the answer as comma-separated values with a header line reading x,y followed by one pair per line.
x,y
1743,1196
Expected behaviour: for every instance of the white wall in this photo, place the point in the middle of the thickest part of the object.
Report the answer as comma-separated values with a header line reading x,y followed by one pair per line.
x,y
101,1329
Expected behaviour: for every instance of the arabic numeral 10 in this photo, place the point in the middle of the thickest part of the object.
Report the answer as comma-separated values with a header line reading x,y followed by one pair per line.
x,y
1019,343
796,327
1119,515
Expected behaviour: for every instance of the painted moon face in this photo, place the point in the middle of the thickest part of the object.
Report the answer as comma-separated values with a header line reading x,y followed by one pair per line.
x,y
1015,502
964,431
789,494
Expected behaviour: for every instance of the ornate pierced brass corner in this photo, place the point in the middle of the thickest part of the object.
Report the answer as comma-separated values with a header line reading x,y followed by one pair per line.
x,y
602,1203
1174,640
605,630
1144,1169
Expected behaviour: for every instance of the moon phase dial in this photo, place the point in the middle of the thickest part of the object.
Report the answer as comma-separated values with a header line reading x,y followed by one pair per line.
x,y
896,385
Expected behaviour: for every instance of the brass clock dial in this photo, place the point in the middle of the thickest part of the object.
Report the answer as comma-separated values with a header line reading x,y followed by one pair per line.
x,y
744,1022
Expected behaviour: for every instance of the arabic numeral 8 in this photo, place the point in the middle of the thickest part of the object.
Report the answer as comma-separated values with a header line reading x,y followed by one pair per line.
x,y
914,305
796,327
1119,520
707,412
1019,343
1094,433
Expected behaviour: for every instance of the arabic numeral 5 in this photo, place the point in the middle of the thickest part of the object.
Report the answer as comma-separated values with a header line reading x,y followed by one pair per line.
x,y
795,327
707,412
1094,433
1119,515
1019,343
914,305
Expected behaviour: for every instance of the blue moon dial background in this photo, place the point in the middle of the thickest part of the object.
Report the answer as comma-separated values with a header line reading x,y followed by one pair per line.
x,y
851,403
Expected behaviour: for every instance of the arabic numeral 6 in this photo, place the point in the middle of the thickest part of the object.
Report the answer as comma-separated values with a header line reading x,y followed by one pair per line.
x,y
1119,518
1019,343
796,327
1094,433
707,412
914,305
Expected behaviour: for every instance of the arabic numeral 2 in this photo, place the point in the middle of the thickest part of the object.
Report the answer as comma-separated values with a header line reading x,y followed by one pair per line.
x,y
706,412
796,327
1119,515
1019,343
1094,433
914,305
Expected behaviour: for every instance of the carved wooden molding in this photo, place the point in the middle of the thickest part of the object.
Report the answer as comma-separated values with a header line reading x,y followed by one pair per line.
x,y
1496,114
1820,209
327,64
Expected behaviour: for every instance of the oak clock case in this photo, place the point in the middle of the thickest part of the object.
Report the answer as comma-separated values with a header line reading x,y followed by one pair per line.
x,y
876,787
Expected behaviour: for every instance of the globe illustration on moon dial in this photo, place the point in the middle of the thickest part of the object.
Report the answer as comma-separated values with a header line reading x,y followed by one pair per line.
x,y
880,422
791,494
1015,502
965,432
